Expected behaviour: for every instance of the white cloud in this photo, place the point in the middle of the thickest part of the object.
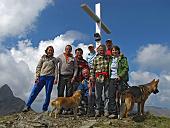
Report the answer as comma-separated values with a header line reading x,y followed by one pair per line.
x,y
139,77
16,75
27,53
18,16
154,56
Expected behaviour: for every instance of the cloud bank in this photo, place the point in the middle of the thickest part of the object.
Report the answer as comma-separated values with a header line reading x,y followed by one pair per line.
x,y
19,16
154,56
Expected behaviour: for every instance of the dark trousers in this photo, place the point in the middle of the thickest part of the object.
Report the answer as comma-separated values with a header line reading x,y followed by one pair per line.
x,y
65,81
87,104
101,93
91,104
115,89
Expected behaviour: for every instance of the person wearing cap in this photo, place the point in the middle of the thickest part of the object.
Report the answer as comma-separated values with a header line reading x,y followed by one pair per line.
x,y
109,47
91,55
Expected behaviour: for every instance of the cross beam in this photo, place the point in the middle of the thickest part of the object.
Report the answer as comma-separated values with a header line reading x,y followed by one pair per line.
x,y
95,17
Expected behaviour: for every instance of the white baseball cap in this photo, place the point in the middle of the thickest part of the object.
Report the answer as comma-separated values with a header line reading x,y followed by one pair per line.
x,y
90,45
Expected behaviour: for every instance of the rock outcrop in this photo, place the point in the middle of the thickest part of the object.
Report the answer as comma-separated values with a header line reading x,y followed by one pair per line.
x,y
8,102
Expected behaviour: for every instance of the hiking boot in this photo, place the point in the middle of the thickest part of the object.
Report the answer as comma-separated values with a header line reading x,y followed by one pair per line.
x,y
70,112
46,112
98,114
91,114
26,109
64,112
102,113
112,116
106,114
81,113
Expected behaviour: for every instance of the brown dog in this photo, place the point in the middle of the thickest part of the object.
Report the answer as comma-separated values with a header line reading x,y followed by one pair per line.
x,y
66,102
138,94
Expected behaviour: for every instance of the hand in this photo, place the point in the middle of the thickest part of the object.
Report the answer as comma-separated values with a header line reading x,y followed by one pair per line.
x,y
93,84
55,81
118,78
89,84
90,91
91,79
36,79
72,79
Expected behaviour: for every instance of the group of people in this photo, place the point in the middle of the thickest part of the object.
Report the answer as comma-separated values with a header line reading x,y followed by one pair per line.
x,y
99,76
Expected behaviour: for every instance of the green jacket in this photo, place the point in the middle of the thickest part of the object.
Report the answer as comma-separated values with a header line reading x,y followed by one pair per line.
x,y
123,68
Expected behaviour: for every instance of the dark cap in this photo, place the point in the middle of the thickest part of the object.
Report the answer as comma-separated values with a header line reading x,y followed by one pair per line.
x,y
108,41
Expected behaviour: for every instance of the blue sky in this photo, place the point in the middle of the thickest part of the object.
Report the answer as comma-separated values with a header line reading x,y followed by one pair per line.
x,y
140,27
133,23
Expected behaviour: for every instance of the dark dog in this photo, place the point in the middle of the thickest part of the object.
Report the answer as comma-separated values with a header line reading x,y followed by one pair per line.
x,y
138,94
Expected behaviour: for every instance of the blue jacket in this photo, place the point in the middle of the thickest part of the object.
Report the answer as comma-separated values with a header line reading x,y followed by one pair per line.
x,y
84,88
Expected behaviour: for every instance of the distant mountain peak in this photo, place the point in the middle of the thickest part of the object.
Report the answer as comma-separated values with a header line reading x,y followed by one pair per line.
x,y
8,102
6,92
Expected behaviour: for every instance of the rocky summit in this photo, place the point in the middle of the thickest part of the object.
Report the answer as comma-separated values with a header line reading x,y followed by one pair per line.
x,y
32,119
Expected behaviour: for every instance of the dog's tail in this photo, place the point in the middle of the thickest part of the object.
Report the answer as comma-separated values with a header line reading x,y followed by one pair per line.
x,y
122,106
127,104
129,101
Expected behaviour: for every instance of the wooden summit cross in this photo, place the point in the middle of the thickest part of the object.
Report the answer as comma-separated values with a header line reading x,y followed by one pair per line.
x,y
99,24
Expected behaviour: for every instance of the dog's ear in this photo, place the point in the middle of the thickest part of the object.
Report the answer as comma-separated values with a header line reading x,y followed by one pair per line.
x,y
153,81
157,81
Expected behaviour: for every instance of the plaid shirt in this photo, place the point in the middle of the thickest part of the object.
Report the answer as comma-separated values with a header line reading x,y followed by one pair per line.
x,y
100,64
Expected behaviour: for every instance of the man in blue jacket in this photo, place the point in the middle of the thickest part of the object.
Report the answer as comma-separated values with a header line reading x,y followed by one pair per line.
x,y
88,94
